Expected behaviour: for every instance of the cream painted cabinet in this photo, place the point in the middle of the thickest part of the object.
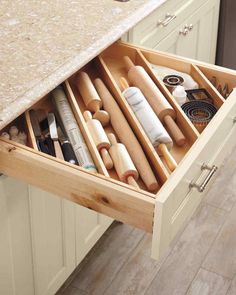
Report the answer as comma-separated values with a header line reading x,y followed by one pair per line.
x,y
90,226
188,28
43,238
196,37
53,240
16,263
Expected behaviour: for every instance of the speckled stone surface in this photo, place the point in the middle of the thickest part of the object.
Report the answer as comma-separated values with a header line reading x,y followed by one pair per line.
x,y
44,42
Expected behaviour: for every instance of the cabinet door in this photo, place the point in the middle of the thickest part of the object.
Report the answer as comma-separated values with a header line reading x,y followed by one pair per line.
x,y
53,240
16,269
198,42
90,226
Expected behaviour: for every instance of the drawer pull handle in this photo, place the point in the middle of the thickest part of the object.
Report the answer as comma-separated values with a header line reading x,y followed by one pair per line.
x,y
167,20
201,187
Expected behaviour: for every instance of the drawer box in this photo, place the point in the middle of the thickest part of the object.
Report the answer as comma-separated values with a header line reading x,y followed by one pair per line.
x,y
164,212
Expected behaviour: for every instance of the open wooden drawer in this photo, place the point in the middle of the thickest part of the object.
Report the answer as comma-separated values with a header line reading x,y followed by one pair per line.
x,y
164,211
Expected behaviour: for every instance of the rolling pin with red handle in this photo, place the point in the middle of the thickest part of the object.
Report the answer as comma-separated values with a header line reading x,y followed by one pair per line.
x,y
91,98
123,164
126,136
152,126
100,138
139,78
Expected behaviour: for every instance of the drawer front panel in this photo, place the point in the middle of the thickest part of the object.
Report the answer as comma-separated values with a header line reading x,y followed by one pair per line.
x,y
92,191
176,204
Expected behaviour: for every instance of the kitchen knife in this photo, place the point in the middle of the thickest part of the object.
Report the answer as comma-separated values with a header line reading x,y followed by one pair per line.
x,y
37,132
54,135
66,147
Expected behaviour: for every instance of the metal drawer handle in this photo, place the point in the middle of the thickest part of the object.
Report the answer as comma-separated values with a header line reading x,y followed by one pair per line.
x,y
201,187
167,20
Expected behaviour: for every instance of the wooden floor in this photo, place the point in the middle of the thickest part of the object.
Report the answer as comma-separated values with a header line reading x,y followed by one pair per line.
x,y
202,261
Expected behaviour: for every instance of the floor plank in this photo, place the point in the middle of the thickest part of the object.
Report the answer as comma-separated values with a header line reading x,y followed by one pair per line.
x,y
102,267
72,291
232,288
136,275
223,193
181,266
208,283
222,256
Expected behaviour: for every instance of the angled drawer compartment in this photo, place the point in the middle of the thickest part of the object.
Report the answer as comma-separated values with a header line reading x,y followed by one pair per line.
x,y
164,210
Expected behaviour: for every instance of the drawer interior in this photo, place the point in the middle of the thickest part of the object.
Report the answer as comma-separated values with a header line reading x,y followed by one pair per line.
x,y
110,67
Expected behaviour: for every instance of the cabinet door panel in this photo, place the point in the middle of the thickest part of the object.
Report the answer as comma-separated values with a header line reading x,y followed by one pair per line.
x,y
90,226
53,240
199,42
16,270
177,203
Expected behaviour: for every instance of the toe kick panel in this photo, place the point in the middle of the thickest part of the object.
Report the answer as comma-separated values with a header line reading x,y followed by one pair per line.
x,y
154,186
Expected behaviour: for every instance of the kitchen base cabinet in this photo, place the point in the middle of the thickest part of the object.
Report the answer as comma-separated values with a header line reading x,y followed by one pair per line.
x,y
43,238
188,29
197,36
53,240
16,263
90,226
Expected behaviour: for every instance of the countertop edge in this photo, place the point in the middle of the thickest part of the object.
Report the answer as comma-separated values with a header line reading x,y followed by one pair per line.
x,y
73,64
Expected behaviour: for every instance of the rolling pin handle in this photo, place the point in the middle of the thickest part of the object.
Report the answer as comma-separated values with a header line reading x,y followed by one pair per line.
x,y
131,181
102,116
174,130
128,63
112,138
87,116
124,83
170,161
106,158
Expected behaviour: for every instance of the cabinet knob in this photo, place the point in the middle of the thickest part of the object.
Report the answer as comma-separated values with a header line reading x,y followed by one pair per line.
x,y
168,18
184,32
190,27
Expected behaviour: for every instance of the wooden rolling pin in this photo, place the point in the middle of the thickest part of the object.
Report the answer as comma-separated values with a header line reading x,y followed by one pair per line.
x,y
123,164
91,98
126,136
139,78
100,138
150,122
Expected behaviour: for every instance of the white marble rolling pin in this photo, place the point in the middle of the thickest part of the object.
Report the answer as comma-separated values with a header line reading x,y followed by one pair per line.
x,y
100,138
123,164
91,98
76,138
150,122
140,78
126,136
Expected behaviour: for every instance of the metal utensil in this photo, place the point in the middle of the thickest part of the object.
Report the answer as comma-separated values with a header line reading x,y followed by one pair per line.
x,y
37,132
54,135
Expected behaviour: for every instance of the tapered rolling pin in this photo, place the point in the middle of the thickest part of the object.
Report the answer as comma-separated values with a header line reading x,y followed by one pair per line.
x,y
139,78
100,138
126,136
91,98
150,122
123,164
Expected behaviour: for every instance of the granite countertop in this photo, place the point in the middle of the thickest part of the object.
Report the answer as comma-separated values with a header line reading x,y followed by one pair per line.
x,y
45,42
